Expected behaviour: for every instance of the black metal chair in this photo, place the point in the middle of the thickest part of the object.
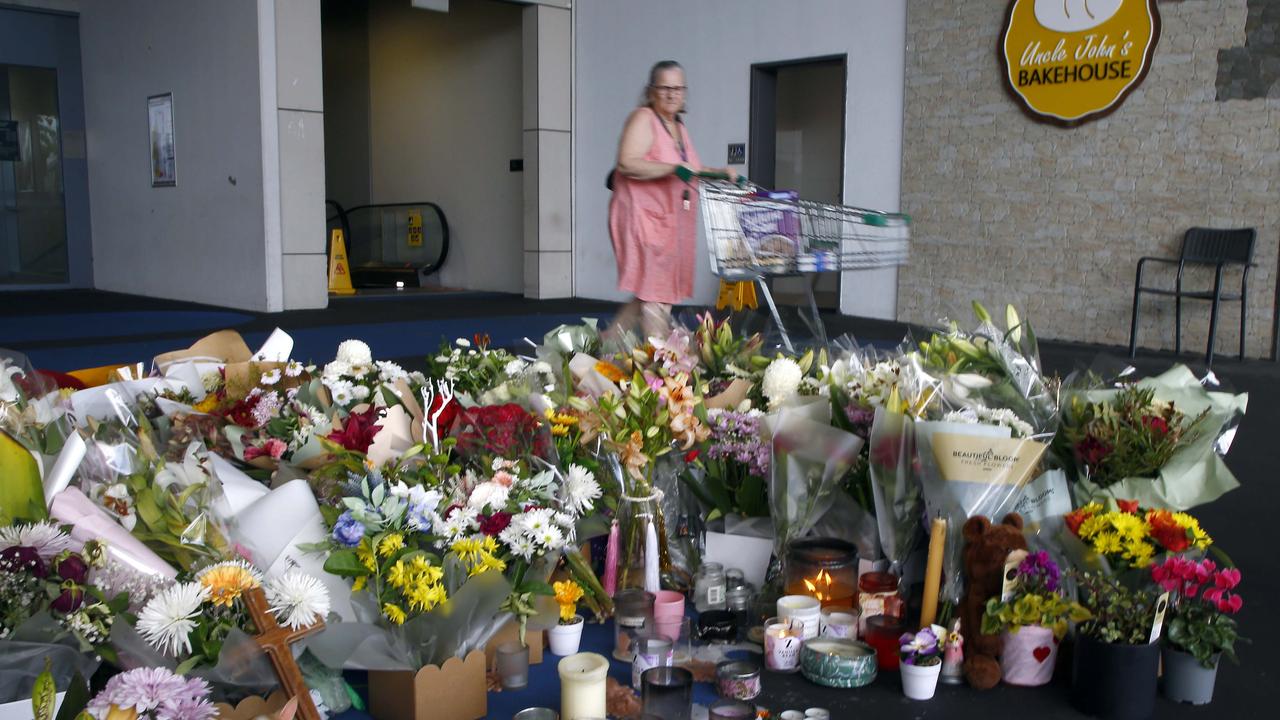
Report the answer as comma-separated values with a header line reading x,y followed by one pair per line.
x,y
1219,249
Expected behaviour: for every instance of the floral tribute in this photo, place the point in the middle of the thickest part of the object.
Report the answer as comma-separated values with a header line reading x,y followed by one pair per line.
x,y
1204,601
1132,536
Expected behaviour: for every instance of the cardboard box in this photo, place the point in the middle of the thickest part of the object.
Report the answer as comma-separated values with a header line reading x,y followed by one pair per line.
x,y
453,691
252,707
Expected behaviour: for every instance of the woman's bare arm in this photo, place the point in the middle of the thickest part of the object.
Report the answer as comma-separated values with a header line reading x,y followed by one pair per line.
x,y
637,139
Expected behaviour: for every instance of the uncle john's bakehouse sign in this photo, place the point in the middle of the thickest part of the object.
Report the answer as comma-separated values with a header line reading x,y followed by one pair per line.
x,y
1071,61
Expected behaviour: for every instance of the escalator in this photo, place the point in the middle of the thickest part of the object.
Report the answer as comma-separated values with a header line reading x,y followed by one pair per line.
x,y
392,245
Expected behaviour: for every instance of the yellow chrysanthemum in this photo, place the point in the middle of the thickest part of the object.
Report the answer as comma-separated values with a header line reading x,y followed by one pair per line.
x,y
568,593
364,553
391,542
490,544
398,575
227,581
394,613
559,430
424,597
1199,537
208,404
359,583
467,549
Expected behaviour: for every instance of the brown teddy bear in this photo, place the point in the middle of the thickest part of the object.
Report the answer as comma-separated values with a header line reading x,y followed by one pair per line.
x,y
986,547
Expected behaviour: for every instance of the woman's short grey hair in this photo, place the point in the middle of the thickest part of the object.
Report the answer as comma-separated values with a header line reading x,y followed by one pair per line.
x,y
657,68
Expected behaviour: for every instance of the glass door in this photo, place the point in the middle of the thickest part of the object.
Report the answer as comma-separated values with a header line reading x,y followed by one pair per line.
x,y
33,228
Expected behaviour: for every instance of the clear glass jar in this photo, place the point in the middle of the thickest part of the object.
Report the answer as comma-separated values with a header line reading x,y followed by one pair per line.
x,y
709,587
741,602
734,577
632,614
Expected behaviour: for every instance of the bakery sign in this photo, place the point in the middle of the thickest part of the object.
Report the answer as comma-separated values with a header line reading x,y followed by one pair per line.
x,y
1071,61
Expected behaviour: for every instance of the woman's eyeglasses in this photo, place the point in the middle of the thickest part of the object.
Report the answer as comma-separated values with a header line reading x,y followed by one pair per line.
x,y
669,89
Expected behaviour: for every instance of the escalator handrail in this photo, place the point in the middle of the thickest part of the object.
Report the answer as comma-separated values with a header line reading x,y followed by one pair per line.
x,y
444,229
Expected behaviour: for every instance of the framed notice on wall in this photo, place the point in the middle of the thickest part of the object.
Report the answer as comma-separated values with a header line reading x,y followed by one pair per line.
x,y
164,161
1071,61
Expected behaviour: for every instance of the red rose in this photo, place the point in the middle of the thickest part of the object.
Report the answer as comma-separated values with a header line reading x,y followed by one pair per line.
x,y
69,601
72,567
692,455
1156,424
494,524
1092,451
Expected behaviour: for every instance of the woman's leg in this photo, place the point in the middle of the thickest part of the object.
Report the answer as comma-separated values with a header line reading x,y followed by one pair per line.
x,y
625,322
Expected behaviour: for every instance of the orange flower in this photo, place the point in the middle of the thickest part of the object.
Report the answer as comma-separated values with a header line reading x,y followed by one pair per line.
x,y
633,456
610,371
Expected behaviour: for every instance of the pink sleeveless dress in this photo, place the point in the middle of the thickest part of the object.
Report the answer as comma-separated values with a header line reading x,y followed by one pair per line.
x,y
654,235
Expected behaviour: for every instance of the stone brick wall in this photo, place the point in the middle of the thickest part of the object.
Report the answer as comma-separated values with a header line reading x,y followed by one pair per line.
x,y
1053,220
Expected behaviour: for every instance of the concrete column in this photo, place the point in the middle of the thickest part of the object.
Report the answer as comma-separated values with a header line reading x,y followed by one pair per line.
x,y
548,82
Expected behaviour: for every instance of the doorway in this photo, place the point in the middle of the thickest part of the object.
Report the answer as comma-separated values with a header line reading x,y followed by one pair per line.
x,y
44,194
797,143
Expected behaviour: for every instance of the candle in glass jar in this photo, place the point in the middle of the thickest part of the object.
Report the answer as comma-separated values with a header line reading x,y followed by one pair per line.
x,y
878,595
823,568
667,692
582,686
783,638
802,607
838,624
731,710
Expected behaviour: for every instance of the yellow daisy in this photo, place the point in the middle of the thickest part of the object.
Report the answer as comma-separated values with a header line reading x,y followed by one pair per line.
x,y
227,581
394,613
391,542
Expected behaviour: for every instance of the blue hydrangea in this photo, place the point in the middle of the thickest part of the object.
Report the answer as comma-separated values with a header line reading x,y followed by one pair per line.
x,y
348,531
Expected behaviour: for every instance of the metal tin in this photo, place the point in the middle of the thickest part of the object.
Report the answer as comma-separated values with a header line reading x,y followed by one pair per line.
x,y
738,679
537,713
838,663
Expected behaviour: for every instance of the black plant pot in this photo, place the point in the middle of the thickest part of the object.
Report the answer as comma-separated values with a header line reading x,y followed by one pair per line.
x,y
1114,681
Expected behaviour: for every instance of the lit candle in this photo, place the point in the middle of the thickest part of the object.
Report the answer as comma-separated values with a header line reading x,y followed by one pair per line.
x,y
582,686
933,571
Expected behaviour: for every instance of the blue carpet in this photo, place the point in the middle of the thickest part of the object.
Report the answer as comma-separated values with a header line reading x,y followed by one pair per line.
x,y
318,344
38,328
544,680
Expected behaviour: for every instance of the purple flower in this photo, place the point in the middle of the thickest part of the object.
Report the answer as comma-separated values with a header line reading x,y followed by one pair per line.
x,y
22,559
1038,570
155,692
348,531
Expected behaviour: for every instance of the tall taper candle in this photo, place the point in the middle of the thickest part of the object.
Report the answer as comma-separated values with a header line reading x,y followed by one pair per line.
x,y
933,571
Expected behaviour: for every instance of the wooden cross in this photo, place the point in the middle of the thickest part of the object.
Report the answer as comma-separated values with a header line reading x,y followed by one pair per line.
x,y
275,640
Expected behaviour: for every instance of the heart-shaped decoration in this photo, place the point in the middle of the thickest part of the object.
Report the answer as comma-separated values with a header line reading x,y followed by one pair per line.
x,y
1041,653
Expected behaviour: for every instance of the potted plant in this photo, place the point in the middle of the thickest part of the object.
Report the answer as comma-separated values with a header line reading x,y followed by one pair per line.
x,y
1116,657
1199,628
1032,622
566,635
921,661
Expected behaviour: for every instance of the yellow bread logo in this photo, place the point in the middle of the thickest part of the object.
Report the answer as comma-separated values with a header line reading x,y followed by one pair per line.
x,y
1071,61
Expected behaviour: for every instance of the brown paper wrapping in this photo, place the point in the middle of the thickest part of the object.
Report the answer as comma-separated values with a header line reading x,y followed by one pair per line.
x,y
453,691
252,707
223,346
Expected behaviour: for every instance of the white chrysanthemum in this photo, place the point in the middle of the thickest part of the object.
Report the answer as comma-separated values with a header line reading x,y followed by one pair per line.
x,y
550,537
354,352
361,393
45,537
389,372
166,621
523,546
297,599
271,377
463,342
492,495
459,523
781,381
534,521
515,367
580,490
342,391
293,369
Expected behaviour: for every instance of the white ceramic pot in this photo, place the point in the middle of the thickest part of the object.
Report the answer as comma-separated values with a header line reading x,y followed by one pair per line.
x,y
919,683
566,638
1027,657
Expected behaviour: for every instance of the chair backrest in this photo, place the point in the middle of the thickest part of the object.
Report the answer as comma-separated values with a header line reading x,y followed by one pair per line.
x,y
1214,246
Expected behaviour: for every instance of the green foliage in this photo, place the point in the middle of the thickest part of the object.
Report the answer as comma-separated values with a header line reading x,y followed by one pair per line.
x,y
1198,630
1120,615
1046,609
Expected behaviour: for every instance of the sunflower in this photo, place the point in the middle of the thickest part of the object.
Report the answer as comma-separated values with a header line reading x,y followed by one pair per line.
x,y
227,581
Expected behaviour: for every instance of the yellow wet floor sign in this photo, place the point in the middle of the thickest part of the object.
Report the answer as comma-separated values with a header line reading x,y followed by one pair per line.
x,y
737,295
339,268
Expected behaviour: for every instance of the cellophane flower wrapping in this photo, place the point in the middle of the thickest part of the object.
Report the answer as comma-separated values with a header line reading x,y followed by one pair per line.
x,y
985,441
810,459
163,493
1193,475
242,669
22,661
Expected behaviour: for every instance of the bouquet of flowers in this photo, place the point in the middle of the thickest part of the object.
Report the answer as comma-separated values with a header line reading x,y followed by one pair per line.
x,y
735,466
354,378
272,415
1132,537
727,357
52,612
1200,621
1159,441
482,375
1037,601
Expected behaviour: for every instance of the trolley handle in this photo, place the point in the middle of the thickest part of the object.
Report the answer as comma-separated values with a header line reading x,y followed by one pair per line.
x,y
686,175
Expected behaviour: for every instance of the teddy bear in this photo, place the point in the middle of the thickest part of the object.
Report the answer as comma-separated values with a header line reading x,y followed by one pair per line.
x,y
986,546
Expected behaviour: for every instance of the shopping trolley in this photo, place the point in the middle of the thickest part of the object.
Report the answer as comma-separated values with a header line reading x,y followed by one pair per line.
x,y
754,234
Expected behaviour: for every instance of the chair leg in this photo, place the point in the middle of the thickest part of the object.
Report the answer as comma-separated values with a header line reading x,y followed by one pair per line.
x,y
1177,325
1213,329
1133,325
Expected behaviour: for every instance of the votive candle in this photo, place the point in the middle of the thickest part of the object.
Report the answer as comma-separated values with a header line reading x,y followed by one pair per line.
x,y
582,686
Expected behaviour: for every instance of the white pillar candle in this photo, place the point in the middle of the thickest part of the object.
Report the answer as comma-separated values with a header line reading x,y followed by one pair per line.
x,y
582,686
